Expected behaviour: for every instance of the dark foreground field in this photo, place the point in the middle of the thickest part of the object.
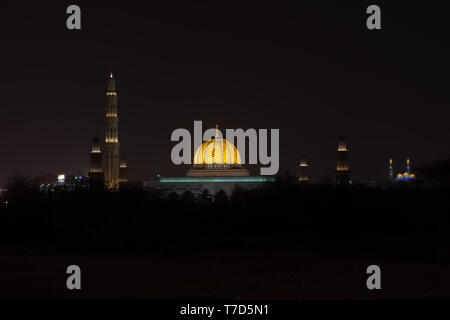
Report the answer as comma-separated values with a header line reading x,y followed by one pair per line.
x,y
282,242
217,275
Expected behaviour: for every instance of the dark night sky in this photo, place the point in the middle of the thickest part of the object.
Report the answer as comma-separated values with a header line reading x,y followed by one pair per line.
x,y
312,70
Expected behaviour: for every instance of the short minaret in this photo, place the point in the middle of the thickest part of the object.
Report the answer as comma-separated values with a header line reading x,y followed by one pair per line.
x,y
112,145
96,171
123,174
391,171
343,173
304,171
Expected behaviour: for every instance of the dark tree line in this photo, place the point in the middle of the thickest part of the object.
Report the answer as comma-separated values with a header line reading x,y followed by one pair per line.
x,y
411,222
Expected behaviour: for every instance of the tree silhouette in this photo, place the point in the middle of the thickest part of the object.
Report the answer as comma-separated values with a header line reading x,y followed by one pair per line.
x,y
205,197
187,197
221,198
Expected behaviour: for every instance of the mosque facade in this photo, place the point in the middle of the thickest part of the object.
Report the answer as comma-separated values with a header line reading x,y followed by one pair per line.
x,y
406,176
217,166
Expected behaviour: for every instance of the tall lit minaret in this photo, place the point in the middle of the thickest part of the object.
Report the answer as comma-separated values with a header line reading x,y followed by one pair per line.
x,y
96,171
408,166
112,144
391,171
343,174
304,174
123,174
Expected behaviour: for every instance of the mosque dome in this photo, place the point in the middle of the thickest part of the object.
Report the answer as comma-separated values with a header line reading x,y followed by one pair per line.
x,y
217,151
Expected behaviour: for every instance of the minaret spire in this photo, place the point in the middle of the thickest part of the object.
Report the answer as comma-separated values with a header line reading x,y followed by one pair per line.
x,y
112,162
391,170
343,173
304,174
96,171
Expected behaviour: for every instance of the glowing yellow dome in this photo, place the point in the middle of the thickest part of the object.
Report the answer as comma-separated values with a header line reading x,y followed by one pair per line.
x,y
399,175
217,151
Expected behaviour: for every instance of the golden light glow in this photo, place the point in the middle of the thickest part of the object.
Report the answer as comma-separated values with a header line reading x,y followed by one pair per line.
x,y
342,146
217,151
111,94
342,167
111,140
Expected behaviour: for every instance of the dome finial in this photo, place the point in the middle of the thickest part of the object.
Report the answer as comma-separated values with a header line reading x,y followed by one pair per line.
x,y
217,130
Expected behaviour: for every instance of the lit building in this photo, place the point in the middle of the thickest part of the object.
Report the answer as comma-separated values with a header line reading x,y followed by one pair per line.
x,y
112,163
217,166
304,171
406,176
61,179
391,171
123,174
217,157
76,183
343,173
54,183
95,174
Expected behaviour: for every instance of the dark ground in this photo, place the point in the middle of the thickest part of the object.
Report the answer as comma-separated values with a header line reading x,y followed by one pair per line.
x,y
282,242
221,274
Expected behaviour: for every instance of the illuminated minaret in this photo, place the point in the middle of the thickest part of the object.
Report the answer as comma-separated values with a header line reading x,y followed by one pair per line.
x,y
391,171
123,175
112,162
343,174
408,166
96,171
304,174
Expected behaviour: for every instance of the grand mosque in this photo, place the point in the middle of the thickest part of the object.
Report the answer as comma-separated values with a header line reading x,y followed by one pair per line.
x,y
217,162
114,171
217,166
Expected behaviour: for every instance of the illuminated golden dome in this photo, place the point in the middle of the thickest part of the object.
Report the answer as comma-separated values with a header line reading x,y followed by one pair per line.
x,y
217,151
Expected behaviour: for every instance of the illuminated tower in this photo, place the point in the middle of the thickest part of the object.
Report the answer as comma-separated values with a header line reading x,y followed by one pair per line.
x,y
96,171
391,171
304,171
343,174
408,166
111,137
123,175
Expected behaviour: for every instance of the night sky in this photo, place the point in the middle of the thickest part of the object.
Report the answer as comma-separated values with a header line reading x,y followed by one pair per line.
x,y
314,71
